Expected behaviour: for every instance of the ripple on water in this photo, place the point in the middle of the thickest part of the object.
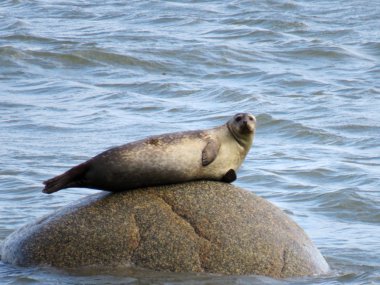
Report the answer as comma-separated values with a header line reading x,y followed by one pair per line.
x,y
80,76
294,130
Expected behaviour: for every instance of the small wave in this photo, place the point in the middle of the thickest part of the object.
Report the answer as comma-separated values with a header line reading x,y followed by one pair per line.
x,y
316,52
60,58
350,205
45,59
112,58
239,33
79,58
357,128
30,39
291,129
14,25
10,51
373,48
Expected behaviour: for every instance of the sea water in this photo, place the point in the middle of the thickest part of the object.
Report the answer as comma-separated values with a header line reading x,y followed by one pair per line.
x,y
78,77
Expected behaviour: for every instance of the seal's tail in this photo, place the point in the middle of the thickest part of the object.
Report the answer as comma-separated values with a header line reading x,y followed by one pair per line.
x,y
70,178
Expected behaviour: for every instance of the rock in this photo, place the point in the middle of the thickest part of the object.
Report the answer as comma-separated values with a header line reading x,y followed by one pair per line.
x,y
193,227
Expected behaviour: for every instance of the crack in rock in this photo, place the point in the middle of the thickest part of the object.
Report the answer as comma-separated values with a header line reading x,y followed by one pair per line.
x,y
138,236
187,220
284,258
195,229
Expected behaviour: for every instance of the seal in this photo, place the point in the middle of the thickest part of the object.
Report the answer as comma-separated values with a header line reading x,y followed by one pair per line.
x,y
212,154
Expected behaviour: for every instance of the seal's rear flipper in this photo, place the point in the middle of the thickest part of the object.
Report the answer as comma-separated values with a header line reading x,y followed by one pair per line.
x,y
70,178
230,176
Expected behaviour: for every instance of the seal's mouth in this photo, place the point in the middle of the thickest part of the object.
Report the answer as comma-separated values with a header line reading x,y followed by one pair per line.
x,y
247,127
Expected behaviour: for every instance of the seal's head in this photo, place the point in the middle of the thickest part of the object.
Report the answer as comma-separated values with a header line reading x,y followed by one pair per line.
x,y
242,126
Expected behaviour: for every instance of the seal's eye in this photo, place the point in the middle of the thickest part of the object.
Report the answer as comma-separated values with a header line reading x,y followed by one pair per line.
x,y
238,119
250,118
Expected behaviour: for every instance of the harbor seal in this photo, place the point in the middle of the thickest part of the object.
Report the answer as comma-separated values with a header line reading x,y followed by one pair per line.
x,y
213,154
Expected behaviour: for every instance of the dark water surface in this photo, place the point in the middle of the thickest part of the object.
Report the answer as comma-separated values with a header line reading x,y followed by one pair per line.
x,y
77,77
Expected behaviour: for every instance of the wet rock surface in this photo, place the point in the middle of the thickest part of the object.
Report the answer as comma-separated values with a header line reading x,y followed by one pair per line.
x,y
193,227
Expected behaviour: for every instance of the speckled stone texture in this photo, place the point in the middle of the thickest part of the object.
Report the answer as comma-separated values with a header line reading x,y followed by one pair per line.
x,y
193,227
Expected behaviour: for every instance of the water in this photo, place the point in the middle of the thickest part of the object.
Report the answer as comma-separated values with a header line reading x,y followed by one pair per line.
x,y
78,77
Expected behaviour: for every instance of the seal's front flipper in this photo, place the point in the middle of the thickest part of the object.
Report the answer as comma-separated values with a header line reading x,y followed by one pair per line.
x,y
230,176
210,152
